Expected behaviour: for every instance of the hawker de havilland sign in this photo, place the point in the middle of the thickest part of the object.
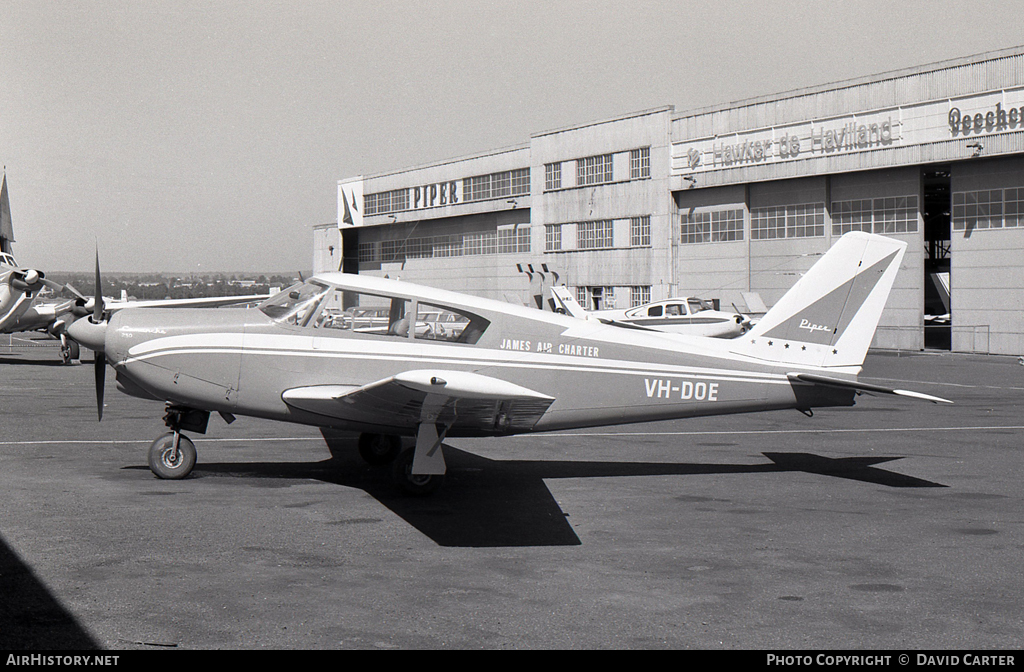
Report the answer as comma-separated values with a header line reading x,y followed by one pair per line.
x,y
902,126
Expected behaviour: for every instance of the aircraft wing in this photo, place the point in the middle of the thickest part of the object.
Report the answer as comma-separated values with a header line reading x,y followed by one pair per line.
x,y
202,302
828,381
467,401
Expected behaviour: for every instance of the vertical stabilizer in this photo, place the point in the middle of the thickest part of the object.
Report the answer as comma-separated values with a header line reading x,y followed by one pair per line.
x,y
828,318
6,230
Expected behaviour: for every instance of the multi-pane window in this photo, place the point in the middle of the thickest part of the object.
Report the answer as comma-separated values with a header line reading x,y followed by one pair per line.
x,y
521,182
806,220
639,295
515,238
594,170
386,201
988,209
497,185
368,252
879,215
640,163
480,243
552,176
595,235
640,231
711,227
505,240
552,237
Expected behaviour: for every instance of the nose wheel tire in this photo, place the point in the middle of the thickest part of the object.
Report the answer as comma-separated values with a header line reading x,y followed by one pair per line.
x,y
171,461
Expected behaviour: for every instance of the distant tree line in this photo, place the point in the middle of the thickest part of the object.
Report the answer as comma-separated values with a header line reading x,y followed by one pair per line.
x,y
157,286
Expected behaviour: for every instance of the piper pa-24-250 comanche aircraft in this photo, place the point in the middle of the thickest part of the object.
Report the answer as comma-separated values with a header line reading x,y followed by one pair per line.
x,y
308,355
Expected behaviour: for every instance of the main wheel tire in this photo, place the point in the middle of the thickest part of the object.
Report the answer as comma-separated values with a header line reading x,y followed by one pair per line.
x,y
413,484
163,462
378,449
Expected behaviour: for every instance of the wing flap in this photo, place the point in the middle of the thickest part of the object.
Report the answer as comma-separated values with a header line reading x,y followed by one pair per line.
x,y
466,401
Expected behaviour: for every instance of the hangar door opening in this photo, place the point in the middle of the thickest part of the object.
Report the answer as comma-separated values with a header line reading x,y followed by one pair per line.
x,y
937,216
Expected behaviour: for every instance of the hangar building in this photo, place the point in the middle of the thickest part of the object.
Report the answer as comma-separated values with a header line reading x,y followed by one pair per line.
x,y
731,203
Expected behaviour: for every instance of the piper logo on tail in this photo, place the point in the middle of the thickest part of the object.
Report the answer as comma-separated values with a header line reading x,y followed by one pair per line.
x,y
806,324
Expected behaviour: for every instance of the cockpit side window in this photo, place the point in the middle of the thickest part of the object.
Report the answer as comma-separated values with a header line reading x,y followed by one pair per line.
x,y
378,315
654,311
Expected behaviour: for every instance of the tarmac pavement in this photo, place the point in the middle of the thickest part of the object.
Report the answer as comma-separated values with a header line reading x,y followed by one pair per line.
x,y
895,525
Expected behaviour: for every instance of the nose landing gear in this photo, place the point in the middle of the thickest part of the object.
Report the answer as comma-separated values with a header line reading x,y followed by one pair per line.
x,y
173,455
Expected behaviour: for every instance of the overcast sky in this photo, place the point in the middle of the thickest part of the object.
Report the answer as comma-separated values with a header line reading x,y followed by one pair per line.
x,y
210,136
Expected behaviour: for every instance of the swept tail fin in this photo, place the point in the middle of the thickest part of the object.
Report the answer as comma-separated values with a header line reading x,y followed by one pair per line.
x,y
828,318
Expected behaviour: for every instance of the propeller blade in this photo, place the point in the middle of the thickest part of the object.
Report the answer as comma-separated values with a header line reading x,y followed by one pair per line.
x,y
74,291
100,372
97,309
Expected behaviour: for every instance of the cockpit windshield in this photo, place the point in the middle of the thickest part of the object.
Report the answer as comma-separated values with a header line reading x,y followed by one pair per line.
x,y
7,259
296,304
698,305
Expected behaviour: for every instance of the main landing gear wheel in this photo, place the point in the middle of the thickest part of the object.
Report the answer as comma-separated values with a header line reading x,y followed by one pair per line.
x,y
378,449
168,460
413,484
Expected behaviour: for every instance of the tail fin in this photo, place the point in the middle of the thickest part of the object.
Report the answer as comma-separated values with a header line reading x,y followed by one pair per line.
x,y
828,318
566,303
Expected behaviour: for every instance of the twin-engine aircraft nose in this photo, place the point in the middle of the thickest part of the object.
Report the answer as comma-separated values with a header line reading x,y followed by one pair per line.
x,y
88,333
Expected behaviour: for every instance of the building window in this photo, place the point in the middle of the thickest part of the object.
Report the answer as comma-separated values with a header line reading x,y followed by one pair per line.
x,y
521,182
552,237
552,176
367,252
596,298
594,170
392,250
513,239
879,215
595,235
640,231
640,163
639,295
386,201
988,209
480,243
712,227
496,185
788,221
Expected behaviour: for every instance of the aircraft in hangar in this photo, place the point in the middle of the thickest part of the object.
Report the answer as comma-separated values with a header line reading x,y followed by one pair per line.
x,y
504,370
679,315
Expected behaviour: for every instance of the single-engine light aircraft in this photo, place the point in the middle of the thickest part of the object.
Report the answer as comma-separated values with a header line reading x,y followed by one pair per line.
x,y
390,359
680,315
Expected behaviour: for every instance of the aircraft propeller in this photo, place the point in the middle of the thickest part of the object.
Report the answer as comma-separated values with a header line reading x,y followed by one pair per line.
x,y
100,365
90,330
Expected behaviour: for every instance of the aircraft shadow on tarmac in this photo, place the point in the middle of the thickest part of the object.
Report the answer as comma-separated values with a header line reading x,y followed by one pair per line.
x,y
493,503
30,616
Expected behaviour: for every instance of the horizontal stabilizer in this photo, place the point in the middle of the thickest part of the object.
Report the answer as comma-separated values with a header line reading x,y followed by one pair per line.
x,y
815,379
